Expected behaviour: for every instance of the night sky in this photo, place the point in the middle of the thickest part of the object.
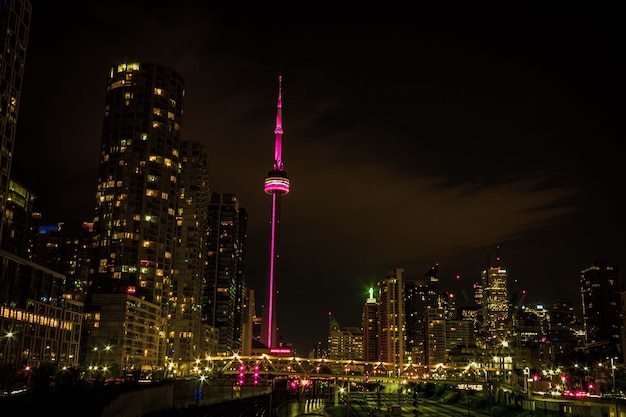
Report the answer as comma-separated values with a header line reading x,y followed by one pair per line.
x,y
413,135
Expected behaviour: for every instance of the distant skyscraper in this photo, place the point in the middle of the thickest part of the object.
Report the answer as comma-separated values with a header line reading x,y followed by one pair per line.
x,y
600,288
435,340
223,301
495,300
391,321
135,215
370,328
420,295
276,184
14,28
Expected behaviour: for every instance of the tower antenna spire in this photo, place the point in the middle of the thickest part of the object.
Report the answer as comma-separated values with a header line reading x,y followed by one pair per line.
x,y
278,130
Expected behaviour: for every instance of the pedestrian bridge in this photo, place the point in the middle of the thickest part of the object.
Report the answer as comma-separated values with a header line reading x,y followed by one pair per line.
x,y
267,366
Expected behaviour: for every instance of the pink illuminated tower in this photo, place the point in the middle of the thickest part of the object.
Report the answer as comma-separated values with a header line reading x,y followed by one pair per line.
x,y
276,184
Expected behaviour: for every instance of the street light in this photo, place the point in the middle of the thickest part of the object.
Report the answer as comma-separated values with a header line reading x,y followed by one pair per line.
x,y
8,346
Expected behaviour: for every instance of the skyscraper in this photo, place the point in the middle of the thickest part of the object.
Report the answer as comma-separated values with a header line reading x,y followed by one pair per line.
x,y
495,300
420,295
600,288
14,28
370,328
276,184
391,321
187,331
223,298
135,215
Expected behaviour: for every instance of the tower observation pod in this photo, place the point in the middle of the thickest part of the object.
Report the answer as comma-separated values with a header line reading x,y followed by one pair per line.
x,y
276,184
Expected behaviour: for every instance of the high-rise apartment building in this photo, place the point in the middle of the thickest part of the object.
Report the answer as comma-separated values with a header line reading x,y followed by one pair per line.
x,y
224,292
15,18
135,216
187,338
391,319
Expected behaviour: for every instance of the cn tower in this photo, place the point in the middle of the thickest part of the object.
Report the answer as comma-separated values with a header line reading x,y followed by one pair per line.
x,y
276,184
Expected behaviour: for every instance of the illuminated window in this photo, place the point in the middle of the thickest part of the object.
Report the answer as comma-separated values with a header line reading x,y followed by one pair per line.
x,y
158,91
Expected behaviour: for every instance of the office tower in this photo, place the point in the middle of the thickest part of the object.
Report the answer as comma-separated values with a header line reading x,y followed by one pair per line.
x,y
222,301
14,28
186,341
495,301
21,221
135,217
600,288
420,295
276,184
370,328
391,321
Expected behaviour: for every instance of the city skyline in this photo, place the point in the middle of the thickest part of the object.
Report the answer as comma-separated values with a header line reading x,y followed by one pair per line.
x,y
404,127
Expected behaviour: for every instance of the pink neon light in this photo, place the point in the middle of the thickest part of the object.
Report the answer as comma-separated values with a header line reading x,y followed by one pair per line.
x,y
278,131
270,307
276,184
284,351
